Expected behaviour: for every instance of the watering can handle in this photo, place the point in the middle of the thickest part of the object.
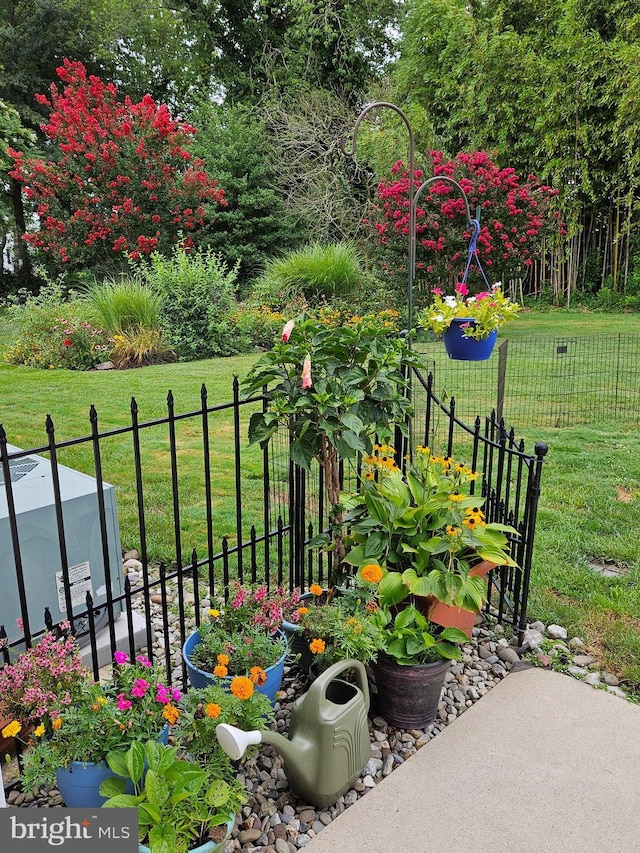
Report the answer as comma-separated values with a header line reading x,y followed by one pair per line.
x,y
325,678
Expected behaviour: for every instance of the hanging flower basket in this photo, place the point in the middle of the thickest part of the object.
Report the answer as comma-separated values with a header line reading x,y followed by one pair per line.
x,y
467,349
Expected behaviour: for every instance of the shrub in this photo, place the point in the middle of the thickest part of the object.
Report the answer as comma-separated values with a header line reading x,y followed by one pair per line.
x,y
257,325
197,291
54,332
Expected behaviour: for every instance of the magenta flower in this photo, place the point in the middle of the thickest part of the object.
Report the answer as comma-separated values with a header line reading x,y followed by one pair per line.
x,y
462,288
121,657
143,661
437,290
139,687
175,693
123,704
163,695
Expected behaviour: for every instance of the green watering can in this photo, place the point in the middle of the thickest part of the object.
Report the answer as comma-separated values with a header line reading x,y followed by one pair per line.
x,y
328,742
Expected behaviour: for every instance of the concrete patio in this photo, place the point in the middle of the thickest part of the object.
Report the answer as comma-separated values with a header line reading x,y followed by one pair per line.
x,y
541,763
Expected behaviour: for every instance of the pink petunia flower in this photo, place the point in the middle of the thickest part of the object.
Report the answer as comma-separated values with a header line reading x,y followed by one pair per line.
x,y
139,687
462,288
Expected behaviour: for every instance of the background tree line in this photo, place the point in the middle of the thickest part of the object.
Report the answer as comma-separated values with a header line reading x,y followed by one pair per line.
x,y
550,87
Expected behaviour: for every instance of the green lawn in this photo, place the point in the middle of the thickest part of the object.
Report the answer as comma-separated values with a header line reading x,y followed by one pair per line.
x,y
589,509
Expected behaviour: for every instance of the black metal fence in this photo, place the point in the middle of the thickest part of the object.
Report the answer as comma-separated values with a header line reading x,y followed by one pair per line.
x,y
546,381
202,508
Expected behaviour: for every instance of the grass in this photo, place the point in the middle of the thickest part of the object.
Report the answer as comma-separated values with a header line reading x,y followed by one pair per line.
x,y
589,509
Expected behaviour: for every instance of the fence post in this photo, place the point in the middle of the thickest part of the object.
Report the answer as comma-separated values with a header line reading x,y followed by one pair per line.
x,y
503,351
531,512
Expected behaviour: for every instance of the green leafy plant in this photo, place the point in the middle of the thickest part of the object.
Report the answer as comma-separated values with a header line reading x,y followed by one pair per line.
x,y
197,290
338,625
56,331
486,311
333,383
422,532
178,801
203,709
315,271
133,705
410,639
237,651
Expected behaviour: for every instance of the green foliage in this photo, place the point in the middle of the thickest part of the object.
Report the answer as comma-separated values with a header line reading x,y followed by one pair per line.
x,y
257,325
243,647
56,332
311,273
344,627
125,305
177,800
234,141
424,530
411,639
333,385
197,291
202,711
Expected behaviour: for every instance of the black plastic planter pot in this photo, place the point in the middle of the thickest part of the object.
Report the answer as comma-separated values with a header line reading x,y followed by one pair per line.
x,y
408,696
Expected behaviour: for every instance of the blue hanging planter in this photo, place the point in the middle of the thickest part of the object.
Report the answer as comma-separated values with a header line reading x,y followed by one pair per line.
x,y
467,349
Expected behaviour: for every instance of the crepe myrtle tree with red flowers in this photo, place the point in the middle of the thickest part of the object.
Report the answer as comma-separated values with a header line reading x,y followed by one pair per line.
x,y
515,216
122,181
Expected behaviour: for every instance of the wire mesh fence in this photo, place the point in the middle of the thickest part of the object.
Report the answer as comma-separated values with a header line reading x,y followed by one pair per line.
x,y
545,382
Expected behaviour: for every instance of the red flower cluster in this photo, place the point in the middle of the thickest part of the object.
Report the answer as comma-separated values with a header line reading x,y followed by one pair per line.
x,y
515,216
125,180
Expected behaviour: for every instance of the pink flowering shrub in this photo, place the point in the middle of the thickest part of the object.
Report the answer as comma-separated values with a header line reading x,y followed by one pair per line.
x,y
515,216
43,680
258,607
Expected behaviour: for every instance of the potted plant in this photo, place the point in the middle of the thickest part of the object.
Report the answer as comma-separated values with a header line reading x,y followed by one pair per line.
x,y
182,806
69,746
425,533
410,672
469,324
242,640
336,626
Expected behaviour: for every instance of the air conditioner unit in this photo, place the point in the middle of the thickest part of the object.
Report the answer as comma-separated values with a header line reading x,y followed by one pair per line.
x,y
33,496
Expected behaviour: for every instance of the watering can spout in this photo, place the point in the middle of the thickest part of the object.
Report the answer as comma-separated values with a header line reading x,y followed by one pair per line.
x,y
235,741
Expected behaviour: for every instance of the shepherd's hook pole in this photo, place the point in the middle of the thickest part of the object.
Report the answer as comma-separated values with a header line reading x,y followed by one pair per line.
x,y
412,208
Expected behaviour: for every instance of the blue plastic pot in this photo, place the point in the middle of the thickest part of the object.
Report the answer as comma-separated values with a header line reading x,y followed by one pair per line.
x,y
467,349
207,847
202,678
79,784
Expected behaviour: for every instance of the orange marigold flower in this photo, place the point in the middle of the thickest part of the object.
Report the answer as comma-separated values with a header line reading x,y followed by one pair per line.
x,y
303,610
242,687
372,573
171,714
212,710
56,724
220,671
223,659
257,675
316,646
315,589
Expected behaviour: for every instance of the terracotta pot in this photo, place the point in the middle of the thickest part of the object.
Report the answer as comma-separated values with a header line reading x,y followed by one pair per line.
x,y
450,616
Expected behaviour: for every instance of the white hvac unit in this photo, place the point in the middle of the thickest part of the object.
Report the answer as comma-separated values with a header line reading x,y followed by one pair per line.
x,y
32,484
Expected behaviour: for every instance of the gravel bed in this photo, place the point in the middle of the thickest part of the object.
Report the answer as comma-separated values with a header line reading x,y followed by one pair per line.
x,y
274,820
